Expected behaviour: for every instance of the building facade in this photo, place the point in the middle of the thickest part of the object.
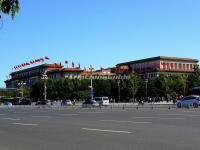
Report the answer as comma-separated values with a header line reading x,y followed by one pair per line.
x,y
147,68
153,67
32,75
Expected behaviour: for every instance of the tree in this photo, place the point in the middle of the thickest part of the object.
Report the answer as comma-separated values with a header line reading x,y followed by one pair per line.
x,y
194,78
10,7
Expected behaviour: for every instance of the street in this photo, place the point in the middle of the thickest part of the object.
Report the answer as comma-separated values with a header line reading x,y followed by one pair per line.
x,y
99,129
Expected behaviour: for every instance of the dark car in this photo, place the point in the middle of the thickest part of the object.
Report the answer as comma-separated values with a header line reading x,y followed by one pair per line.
x,y
25,102
90,103
42,102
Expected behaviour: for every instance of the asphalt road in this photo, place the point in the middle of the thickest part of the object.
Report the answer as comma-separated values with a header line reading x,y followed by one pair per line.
x,y
95,129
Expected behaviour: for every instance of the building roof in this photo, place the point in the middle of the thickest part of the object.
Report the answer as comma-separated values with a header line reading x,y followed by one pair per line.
x,y
55,65
65,70
160,58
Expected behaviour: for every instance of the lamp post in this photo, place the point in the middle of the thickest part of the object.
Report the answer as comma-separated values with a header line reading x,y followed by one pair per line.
x,y
146,84
118,85
45,77
21,84
91,83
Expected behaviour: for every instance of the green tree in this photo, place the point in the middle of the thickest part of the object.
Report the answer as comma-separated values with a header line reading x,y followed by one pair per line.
x,y
10,7
194,78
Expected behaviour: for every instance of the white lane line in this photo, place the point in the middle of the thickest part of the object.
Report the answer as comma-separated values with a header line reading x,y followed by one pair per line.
x,y
67,114
20,112
13,119
91,112
190,115
172,118
146,117
101,130
162,118
40,116
117,121
193,115
171,114
24,124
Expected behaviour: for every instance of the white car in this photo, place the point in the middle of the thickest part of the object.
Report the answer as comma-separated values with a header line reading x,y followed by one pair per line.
x,y
103,101
188,101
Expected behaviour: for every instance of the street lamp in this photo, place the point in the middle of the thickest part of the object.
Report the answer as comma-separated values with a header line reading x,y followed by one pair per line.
x,y
91,83
45,77
146,84
21,84
118,85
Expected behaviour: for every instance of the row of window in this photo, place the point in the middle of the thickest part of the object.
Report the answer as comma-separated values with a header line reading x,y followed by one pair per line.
x,y
178,66
28,73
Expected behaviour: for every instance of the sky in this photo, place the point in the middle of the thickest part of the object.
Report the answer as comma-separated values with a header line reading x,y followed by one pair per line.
x,y
100,33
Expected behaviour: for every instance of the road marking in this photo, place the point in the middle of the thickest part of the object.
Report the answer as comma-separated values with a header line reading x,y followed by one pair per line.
x,y
91,112
193,115
101,130
117,121
171,114
190,115
67,114
2,114
172,118
40,116
13,119
20,112
146,117
24,124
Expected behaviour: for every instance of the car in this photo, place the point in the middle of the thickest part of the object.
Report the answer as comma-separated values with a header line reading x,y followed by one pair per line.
x,y
103,101
25,102
41,102
8,104
66,102
90,103
188,101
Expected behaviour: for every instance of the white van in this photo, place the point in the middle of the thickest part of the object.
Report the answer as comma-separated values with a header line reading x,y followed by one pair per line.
x,y
104,101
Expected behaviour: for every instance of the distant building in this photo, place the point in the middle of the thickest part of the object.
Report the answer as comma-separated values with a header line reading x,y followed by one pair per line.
x,y
31,75
147,68
153,67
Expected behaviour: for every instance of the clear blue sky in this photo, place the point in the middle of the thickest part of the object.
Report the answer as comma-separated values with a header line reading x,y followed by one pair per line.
x,y
99,32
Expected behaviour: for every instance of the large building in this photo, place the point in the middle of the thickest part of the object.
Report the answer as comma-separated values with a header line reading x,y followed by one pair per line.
x,y
31,75
147,68
153,67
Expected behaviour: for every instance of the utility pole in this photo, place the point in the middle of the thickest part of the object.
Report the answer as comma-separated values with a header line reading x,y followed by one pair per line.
x,y
119,95
21,84
91,83
45,77
146,84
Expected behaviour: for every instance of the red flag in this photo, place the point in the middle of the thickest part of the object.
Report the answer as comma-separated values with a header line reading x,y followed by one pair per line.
x,y
46,57
32,62
42,59
79,65
27,64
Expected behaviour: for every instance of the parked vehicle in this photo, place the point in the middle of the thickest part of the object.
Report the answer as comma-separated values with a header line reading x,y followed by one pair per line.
x,y
188,101
103,101
8,104
41,102
90,103
66,102
25,102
